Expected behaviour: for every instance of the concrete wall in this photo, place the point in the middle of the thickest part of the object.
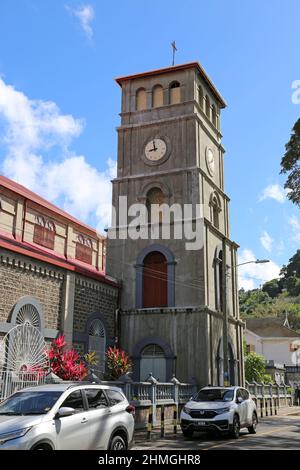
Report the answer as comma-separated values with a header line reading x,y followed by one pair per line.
x,y
190,337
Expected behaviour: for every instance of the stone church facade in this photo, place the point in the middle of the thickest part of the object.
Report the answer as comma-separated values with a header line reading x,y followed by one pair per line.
x,y
52,273
169,307
176,304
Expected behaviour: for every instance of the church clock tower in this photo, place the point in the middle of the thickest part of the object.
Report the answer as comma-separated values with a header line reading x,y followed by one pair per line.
x,y
177,304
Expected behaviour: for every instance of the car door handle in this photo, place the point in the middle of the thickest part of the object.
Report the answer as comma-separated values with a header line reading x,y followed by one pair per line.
x,y
84,420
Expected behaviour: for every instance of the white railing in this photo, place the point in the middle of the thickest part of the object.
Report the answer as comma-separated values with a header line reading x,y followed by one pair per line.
x,y
11,382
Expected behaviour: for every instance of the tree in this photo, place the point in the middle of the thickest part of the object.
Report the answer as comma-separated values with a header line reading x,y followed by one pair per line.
x,y
273,287
255,367
290,164
293,285
292,268
251,299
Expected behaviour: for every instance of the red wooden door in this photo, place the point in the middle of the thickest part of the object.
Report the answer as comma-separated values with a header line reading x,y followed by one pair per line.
x,y
155,280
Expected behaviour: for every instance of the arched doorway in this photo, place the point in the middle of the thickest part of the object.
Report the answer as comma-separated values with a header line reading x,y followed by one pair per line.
x,y
97,343
155,280
153,361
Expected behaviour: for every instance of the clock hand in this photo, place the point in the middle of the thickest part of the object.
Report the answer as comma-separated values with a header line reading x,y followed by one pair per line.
x,y
154,148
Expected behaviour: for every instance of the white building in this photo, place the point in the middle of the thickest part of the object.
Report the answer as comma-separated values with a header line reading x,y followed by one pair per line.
x,y
273,339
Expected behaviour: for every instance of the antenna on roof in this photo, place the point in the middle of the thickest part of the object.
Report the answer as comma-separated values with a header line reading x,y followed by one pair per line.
x,y
173,44
286,321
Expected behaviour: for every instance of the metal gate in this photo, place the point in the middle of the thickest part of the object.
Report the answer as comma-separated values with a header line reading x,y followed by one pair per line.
x,y
23,359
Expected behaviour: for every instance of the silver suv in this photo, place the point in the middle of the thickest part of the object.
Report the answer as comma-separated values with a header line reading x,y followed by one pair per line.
x,y
66,416
221,409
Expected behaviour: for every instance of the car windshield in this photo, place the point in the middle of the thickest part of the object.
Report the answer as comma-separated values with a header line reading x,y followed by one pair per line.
x,y
214,394
29,403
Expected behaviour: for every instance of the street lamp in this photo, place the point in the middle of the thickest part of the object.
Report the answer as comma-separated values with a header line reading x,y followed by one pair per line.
x,y
256,261
225,313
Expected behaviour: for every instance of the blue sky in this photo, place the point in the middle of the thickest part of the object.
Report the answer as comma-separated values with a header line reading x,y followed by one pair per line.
x,y
59,104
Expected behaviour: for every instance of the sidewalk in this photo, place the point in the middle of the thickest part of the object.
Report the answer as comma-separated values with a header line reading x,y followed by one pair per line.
x,y
288,410
141,434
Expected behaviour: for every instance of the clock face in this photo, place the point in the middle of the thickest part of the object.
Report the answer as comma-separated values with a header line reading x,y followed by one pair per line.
x,y
210,161
155,149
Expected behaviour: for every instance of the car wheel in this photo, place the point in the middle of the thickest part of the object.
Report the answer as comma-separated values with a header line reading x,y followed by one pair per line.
x,y
252,429
235,428
187,432
117,443
42,447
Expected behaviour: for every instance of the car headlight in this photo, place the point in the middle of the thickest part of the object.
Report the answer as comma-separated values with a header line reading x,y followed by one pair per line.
x,y
186,410
13,435
220,411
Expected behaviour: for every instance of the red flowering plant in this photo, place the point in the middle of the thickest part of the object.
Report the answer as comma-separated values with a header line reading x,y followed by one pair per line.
x,y
118,362
65,363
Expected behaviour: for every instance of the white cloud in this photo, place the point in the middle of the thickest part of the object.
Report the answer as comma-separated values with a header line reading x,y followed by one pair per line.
x,y
33,133
85,14
274,191
252,275
266,241
294,223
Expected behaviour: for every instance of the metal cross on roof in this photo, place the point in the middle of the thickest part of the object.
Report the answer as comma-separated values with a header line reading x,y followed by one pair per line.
x,y
173,44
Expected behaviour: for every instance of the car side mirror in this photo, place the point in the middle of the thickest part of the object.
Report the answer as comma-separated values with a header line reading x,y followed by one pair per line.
x,y
65,411
239,400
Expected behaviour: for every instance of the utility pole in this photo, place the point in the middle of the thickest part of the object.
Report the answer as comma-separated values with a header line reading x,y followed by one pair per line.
x,y
225,315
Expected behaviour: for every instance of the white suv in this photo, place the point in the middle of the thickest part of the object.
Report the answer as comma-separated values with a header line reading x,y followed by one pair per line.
x,y
221,409
75,416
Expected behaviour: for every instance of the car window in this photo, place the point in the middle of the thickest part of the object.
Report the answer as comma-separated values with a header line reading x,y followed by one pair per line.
x,y
29,402
245,394
96,398
239,394
74,400
214,394
114,397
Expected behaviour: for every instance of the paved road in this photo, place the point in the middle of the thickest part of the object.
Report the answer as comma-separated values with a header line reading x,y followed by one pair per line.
x,y
278,432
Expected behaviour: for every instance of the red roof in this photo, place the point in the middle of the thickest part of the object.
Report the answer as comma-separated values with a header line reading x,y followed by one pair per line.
x,y
30,195
176,68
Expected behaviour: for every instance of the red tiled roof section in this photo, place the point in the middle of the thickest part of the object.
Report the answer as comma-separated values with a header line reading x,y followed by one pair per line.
x,y
176,68
30,195
23,248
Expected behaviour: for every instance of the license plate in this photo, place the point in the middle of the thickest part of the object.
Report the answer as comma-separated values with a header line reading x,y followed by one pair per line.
x,y
201,423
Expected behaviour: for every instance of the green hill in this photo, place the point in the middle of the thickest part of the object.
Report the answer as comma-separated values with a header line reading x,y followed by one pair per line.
x,y
277,297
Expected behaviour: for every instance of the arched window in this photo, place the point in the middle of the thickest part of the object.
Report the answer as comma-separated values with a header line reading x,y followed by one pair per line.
x,y
28,310
215,207
141,99
200,96
175,93
29,314
155,280
214,115
153,361
97,342
218,265
157,96
154,196
84,249
207,106
44,232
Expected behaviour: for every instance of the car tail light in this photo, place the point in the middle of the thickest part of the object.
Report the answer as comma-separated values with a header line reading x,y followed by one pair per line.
x,y
130,409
